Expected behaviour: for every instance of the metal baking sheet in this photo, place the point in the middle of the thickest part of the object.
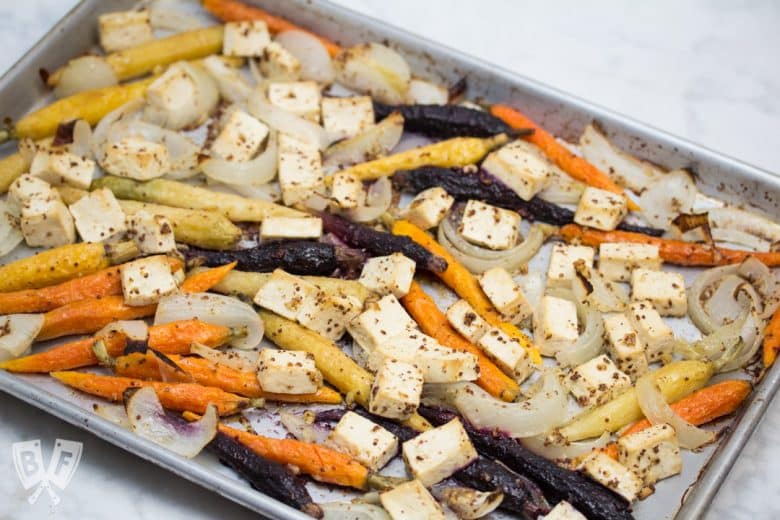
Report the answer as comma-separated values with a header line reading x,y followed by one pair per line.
x,y
684,496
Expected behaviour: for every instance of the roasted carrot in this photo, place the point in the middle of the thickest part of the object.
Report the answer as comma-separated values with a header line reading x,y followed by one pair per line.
x,y
460,280
434,323
205,280
174,396
233,11
176,337
672,251
772,340
572,164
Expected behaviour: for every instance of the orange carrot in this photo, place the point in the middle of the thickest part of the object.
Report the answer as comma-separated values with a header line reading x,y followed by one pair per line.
x,y
434,323
176,337
205,280
173,396
772,340
672,251
460,280
233,11
141,366
572,164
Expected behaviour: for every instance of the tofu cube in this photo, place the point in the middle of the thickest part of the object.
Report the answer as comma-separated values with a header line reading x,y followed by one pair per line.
x,y
436,454
369,443
624,345
521,166
429,207
422,92
285,294
392,274
176,100
560,272
279,64
396,390
505,295
466,321
657,336
136,158
346,117
653,453
600,209
27,187
564,511
347,190
291,227
665,291
240,138
301,98
597,381
381,321
556,328
46,222
507,353
246,38
489,226
411,501
124,29
328,314
146,280
437,363
60,167
613,475
617,261
300,169
98,216
151,233
288,372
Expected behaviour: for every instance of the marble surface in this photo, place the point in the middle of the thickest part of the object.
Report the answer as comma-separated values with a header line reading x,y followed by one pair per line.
x,y
704,70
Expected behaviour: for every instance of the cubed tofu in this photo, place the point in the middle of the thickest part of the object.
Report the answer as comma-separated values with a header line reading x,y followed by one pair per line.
x,y
436,454
98,216
177,98
246,38
301,98
291,227
624,345
601,294
287,372
345,117
617,261
300,169
665,291
411,501
560,272
611,474
146,280
556,327
505,295
240,138
347,190
392,274
381,321
60,167
27,187
489,226
136,158
437,363
429,207
364,440
396,391
466,321
600,209
285,294
422,92
597,381
564,511
657,336
521,166
46,222
151,233
124,29
507,353
279,64
328,314
653,453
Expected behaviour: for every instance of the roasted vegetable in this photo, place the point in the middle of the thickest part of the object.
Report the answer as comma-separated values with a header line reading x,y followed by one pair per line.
x,y
297,257
11,167
771,344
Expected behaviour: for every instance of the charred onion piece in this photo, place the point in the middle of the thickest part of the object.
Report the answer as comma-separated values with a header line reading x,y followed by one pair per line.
x,y
297,257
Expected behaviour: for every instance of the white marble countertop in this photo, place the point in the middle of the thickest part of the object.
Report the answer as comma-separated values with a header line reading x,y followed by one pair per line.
x,y
704,70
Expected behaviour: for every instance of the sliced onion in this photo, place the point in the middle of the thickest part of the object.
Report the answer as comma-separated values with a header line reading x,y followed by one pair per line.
x,y
113,413
85,73
82,139
17,333
243,360
378,200
730,218
423,92
136,330
316,202
667,197
254,172
217,309
192,113
704,281
149,420
590,343
302,429
316,64
10,233
719,344
727,301
603,295
741,238
128,111
469,503
541,413
183,153
562,189
254,71
374,142
765,282
751,336
286,122
657,411
374,69
231,84
173,20
553,447
352,511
